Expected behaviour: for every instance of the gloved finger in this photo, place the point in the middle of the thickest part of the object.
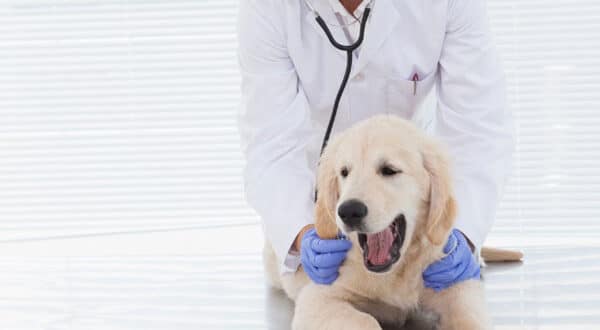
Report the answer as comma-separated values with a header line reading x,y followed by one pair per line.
x,y
341,235
325,260
445,267
471,269
326,280
325,272
448,275
308,238
305,247
307,263
330,245
442,265
436,286
451,243
445,280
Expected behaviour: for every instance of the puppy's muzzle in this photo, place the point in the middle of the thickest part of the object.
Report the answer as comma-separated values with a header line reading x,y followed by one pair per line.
x,y
352,212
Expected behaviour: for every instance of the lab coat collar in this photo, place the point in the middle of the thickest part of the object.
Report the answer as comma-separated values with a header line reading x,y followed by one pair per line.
x,y
382,21
338,7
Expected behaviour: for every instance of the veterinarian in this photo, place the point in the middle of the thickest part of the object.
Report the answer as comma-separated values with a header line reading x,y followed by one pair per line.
x,y
291,74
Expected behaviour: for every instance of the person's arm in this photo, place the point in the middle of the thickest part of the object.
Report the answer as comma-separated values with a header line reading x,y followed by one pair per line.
x,y
472,117
274,123
476,127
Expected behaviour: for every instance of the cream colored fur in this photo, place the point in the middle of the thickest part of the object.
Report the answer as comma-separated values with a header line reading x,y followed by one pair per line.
x,y
360,299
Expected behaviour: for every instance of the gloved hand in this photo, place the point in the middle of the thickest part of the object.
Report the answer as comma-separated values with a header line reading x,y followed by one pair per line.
x,y
458,265
322,258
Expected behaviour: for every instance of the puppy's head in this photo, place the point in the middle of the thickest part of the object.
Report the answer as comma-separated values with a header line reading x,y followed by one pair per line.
x,y
385,181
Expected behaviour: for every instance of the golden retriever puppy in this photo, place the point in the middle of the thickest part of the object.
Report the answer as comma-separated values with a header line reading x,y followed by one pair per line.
x,y
402,178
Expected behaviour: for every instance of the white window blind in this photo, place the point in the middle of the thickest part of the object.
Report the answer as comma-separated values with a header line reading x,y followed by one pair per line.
x,y
551,51
119,116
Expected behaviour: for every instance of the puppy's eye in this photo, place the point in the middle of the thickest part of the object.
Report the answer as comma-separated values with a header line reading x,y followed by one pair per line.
x,y
388,171
344,172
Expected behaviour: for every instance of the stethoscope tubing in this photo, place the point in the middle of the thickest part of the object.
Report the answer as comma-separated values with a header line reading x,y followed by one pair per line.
x,y
348,49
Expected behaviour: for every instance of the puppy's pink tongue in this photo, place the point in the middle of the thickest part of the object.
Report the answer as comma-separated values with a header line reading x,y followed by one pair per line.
x,y
379,246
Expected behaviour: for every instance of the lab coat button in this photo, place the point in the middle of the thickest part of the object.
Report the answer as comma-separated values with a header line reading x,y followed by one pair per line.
x,y
359,77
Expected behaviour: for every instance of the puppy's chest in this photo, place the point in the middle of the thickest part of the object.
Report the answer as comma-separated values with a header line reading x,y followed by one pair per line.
x,y
385,296
400,292
404,313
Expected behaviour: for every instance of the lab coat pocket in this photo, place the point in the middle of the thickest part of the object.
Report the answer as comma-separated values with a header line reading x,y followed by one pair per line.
x,y
404,96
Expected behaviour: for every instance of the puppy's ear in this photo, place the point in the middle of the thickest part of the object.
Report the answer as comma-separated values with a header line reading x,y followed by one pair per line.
x,y
327,197
442,206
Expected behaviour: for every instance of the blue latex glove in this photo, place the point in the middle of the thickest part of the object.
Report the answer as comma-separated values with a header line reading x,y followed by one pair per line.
x,y
458,265
322,258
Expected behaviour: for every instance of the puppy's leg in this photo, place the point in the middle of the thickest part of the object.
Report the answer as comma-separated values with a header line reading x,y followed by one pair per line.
x,y
328,308
293,283
460,307
271,266
290,283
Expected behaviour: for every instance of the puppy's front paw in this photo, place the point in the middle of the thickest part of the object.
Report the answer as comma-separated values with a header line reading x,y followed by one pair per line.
x,y
342,316
356,322
368,322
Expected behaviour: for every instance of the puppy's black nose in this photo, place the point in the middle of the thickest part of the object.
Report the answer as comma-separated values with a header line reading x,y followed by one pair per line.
x,y
352,212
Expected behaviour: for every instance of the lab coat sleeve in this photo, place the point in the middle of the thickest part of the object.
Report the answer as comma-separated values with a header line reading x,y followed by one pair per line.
x,y
472,117
275,126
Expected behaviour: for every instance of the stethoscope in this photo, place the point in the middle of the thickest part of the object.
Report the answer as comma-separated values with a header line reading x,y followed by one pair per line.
x,y
349,49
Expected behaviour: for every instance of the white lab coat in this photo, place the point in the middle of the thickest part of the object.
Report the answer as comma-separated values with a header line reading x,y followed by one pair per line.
x,y
291,73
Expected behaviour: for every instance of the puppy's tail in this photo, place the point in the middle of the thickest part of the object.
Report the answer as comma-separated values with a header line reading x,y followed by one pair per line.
x,y
490,254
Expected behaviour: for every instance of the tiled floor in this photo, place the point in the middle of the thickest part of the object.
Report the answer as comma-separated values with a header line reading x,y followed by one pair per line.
x,y
197,280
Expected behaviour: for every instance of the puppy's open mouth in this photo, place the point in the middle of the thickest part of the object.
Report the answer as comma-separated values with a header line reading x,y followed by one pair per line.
x,y
381,250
